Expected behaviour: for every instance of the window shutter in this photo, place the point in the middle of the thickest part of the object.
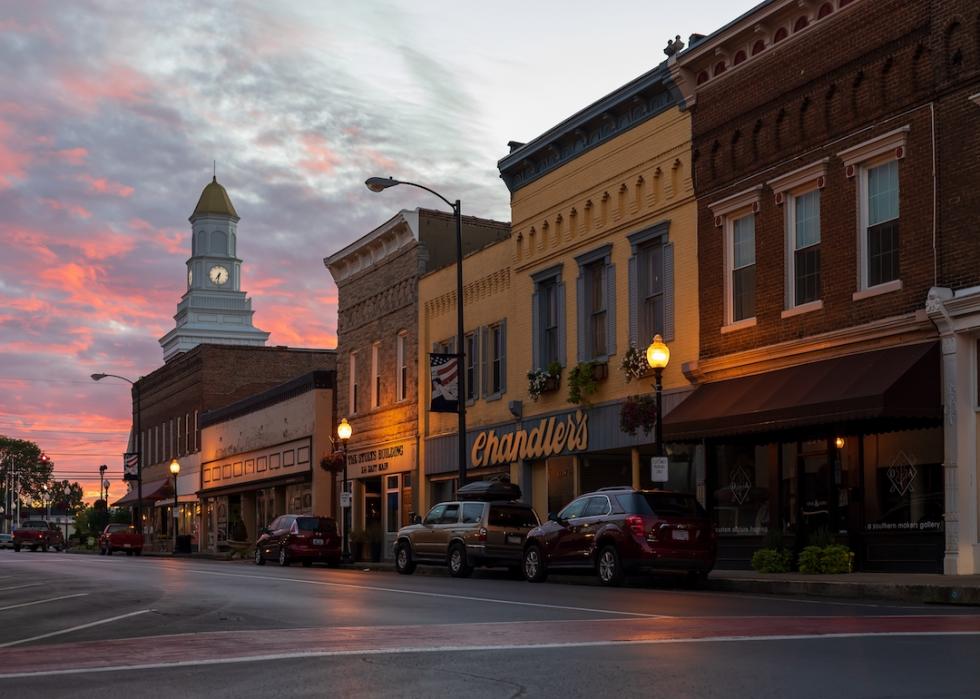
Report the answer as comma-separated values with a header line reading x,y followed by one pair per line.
x,y
580,313
634,302
562,323
484,371
668,292
503,356
610,310
536,330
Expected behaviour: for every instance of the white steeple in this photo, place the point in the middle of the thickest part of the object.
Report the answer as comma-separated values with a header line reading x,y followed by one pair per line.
x,y
213,310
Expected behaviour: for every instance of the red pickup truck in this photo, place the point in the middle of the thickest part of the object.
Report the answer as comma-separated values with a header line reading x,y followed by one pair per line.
x,y
120,537
36,534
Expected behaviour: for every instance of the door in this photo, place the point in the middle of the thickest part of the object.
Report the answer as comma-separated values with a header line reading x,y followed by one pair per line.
x,y
817,488
422,539
392,512
563,550
444,531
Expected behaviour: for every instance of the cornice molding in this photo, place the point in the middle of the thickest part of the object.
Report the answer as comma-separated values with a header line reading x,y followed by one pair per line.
x,y
814,172
879,145
741,200
391,237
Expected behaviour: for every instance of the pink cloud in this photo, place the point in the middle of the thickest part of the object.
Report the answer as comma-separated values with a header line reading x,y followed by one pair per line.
x,y
173,241
74,209
320,158
101,185
12,162
72,156
117,83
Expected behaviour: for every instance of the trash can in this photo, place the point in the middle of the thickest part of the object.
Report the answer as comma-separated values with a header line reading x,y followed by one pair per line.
x,y
183,543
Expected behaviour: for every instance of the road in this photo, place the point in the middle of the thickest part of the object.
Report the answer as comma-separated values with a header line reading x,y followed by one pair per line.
x,y
92,626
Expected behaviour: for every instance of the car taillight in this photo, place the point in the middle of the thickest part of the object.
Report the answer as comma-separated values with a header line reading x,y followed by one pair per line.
x,y
636,525
482,534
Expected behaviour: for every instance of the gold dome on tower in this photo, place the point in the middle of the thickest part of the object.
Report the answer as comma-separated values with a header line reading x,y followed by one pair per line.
x,y
214,201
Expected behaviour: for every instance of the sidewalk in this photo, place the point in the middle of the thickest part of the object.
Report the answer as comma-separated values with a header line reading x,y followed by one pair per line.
x,y
903,587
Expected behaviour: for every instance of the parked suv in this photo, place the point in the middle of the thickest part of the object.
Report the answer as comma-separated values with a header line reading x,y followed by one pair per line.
x,y
615,531
37,534
302,538
462,535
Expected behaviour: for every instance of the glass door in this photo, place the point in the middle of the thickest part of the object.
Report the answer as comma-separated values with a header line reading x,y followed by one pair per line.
x,y
392,513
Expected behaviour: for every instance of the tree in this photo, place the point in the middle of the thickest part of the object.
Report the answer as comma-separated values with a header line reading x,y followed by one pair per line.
x,y
72,502
27,460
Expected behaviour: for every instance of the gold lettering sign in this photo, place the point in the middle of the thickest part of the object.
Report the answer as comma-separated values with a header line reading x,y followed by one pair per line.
x,y
551,436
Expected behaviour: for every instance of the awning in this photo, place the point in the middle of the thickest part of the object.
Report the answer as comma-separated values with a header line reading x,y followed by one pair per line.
x,y
152,491
901,384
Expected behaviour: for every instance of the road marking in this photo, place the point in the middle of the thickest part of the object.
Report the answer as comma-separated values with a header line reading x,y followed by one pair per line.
x,y
444,595
74,628
42,601
20,587
480,648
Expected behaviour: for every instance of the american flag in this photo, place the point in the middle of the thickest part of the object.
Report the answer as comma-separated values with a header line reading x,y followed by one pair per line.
x,y
131,461
444,370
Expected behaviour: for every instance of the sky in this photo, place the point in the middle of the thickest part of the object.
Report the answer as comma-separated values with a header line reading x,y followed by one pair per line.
x,y
112,116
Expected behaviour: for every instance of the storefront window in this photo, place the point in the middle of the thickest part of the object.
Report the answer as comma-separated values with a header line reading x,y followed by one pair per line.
x,y
392,520
741,489
604,470
561,482
904,481
443,491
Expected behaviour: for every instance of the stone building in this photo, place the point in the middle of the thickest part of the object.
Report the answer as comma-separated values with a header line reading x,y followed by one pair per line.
x,y
377,343
830,156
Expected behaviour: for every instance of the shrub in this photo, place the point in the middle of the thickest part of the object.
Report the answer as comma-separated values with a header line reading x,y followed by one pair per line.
x,y
835,558
772,560
810,559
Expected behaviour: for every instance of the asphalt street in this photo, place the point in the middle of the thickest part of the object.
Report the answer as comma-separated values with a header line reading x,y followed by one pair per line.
x,y
79,626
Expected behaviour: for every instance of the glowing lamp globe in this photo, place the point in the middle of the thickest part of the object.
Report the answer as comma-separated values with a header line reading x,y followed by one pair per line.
x,y
658,354
174,467
344,430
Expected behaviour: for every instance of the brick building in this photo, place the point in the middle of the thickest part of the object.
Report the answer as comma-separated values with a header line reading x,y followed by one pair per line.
x,y
377,343
171,401
831,144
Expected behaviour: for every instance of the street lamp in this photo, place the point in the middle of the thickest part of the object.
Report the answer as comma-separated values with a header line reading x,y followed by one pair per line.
x,y
379,184
344,431
175,469
137,409
658,354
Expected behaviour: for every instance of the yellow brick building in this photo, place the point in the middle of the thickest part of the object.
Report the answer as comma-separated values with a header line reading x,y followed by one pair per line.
x,y
602,255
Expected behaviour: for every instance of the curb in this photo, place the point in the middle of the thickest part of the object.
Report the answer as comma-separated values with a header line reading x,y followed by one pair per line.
x,y
925,594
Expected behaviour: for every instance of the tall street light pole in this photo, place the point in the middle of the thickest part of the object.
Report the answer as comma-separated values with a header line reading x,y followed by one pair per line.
x,y
175,469
658,354
344,432
139,451
379,184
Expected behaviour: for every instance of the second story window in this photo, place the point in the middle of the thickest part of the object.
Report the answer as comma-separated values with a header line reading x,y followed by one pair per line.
x,y
596,305
376,375
651,292
402,361
352,384
472,362
548,318
595,298
742,283
880,206
805,227
494,362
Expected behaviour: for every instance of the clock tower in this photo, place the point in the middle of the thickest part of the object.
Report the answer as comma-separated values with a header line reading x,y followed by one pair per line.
x,y
214,310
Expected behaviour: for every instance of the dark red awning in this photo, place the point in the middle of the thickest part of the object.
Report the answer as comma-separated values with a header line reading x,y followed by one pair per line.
x,y
901,383
152,491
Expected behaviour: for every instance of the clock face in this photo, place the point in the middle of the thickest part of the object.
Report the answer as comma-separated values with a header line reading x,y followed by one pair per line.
x,y
218,275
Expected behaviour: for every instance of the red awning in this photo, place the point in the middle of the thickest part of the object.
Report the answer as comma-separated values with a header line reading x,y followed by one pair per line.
x,y
152,491
900,383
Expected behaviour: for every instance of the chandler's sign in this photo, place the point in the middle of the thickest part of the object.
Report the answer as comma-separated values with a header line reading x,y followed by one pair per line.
x,y
552,436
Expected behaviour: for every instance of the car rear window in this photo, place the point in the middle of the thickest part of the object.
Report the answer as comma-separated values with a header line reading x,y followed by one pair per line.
x,y
311,524
34,524
510,516
118,527
662,504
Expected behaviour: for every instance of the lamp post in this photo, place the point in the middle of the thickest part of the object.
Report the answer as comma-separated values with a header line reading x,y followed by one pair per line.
x,y
379,184
175,469
67,493
658,354
137,409
344,431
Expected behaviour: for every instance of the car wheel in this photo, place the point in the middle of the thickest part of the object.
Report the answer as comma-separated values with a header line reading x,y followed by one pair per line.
x,y
403,559
283,556
259,560
307,564
458,566
608,566
535,569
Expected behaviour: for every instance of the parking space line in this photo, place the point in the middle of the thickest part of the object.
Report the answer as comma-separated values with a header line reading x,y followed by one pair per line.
x,y
444,595
74,628
43,601
20,587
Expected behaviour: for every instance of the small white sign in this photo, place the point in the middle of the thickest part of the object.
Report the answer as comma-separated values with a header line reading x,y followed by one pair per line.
x,y
658,469
345,500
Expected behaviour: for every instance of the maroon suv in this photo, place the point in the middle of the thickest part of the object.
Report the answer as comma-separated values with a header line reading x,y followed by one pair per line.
x,y
615,531
299,538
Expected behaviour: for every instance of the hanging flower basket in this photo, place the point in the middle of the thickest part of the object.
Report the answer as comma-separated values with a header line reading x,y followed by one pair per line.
x,y
634,365
543,380
333,462
638,412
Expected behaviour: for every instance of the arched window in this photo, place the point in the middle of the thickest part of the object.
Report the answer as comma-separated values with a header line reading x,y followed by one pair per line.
x,y
702,77
758,47
719,68
781,34
800,24
739,58
219,242
824,10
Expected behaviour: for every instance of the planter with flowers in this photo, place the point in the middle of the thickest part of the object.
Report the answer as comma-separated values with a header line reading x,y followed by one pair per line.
x,y
543,380
634,365
638,412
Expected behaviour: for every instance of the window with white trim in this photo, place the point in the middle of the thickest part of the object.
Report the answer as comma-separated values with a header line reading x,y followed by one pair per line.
x,y
402,378
352,384
879,209
741,278
803,212
376,375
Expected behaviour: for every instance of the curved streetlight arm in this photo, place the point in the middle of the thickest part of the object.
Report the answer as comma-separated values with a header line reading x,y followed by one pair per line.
x,y
99,377
391,182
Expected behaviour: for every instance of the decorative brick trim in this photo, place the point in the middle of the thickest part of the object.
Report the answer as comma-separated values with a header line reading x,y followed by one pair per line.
x,y
812,173
742,200
893,141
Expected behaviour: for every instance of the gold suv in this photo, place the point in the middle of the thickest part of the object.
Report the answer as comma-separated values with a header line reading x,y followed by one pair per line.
x,y
464,534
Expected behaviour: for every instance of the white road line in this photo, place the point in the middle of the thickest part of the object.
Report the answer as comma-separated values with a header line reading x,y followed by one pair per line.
x,y
444,595
42,601
20,587
481,648
74,628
